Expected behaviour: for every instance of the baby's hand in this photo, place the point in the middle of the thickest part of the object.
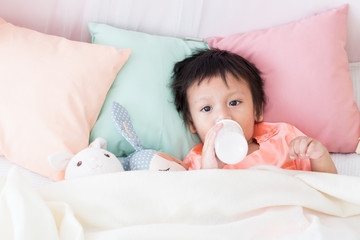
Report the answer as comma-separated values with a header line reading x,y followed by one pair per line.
x,y
209,159
306,147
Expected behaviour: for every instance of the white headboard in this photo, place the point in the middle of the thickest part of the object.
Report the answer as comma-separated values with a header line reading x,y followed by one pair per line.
x,y
180,18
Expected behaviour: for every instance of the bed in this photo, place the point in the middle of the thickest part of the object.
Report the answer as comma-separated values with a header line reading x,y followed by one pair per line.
x,y
63,63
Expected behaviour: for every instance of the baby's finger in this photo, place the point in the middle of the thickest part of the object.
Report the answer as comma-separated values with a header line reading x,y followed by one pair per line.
x,y
209,141
209,159
303,147
315,150
298,147
212,133
293,146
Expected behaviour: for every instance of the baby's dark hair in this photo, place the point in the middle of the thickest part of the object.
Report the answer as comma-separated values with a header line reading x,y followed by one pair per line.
x,y
208,63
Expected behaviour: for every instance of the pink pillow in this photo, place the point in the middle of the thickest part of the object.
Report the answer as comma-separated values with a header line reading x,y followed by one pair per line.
x,y
52,90
307,80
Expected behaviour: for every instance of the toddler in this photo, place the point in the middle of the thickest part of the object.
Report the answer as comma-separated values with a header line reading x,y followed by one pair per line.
x,y
212,85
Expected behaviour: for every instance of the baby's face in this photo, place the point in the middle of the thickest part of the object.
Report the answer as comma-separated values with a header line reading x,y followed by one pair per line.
x,y
212,101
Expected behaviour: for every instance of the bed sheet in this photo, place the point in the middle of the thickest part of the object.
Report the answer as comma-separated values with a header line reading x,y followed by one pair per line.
x,y
259,203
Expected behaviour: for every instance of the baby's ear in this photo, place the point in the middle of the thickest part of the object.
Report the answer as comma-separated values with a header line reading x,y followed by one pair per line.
x,y
192,127
259,116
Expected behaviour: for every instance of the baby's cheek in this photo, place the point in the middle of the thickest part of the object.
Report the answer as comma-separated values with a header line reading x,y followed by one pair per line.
x,y
202,136
248,134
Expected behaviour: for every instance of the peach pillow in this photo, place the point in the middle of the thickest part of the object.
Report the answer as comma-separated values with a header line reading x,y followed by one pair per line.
x,y
51,93
306,74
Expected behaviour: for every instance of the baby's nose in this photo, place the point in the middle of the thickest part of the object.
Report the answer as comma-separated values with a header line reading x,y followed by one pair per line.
x,y
223,115
222,119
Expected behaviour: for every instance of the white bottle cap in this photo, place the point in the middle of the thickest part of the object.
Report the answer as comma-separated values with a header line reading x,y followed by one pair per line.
x,y
231,146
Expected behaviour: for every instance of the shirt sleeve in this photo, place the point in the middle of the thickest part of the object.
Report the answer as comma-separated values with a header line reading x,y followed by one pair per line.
x,y
193,159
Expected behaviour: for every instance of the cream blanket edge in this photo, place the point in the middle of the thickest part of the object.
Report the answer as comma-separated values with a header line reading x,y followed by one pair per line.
x,y
260,203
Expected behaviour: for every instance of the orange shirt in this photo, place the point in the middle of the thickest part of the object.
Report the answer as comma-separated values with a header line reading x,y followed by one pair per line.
x,y
273,140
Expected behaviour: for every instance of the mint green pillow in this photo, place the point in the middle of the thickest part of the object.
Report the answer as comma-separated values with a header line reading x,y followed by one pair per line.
x,y
143,88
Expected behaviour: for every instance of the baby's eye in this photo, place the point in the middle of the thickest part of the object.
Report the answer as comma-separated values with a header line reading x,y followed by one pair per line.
x,y
79,163
206,109
106,155
234,103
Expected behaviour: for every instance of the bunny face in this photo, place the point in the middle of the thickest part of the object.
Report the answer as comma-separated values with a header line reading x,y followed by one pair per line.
x,y
149,159
92,160
165,162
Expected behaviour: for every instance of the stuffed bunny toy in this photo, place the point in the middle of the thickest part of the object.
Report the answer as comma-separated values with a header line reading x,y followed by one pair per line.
x,y
94,159
141,159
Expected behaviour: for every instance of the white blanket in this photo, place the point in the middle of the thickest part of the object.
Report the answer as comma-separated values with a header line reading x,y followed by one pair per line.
x,y
261,203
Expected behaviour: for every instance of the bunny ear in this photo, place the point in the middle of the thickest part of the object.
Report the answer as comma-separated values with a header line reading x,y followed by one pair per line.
x,y
59,160
99,143
122,123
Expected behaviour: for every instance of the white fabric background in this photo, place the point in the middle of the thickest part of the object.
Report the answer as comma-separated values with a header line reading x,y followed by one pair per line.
x,y
184,18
